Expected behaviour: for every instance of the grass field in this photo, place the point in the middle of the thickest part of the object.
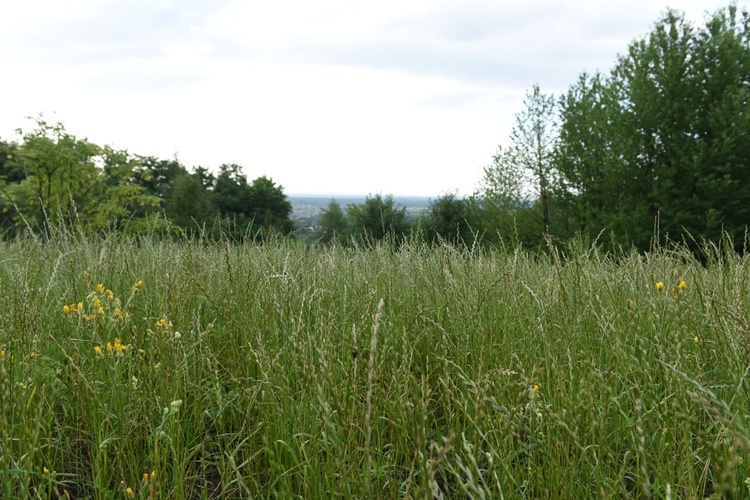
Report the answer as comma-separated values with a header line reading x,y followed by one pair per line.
x,y
185,370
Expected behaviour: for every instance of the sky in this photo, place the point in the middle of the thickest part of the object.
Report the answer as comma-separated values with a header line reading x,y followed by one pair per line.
x,y
402,97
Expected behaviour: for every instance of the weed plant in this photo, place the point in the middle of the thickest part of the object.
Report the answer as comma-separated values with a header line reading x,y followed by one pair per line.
x,y
152,369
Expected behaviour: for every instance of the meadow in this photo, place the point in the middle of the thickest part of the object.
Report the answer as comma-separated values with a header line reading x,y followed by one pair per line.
x,y
154,369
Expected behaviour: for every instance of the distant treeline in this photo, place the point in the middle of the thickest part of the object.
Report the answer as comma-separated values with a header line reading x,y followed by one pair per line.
x,y
658,148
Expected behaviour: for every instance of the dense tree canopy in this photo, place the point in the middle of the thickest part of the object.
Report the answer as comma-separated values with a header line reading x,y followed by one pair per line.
x,y
657,148
52,177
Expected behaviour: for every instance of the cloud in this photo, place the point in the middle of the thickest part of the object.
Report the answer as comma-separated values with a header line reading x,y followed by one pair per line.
x,y
139,80
95,32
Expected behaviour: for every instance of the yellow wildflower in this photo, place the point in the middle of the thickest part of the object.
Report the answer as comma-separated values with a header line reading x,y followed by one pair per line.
x,y
109,346
163,323
101,310
110,294
66,310
129,491
139,284
118,347
2,353
659,286
98,350
99,288
80,306
697,339
682,285
674,291
96,303
536,387
145,477
46,470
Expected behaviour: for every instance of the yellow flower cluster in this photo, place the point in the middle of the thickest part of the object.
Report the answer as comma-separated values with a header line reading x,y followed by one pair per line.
x,y
117,348
73,309
101,302
163,323
675,290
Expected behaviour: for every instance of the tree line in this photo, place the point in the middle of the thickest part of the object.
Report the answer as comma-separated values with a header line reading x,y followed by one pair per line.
x,y
54,178
657,148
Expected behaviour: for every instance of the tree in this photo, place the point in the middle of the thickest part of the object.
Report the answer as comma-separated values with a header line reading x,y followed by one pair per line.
x,y
377,218
10,173
525,170
665,136
64,177
255,208
188,204
589,155
503,203
269,207
448,220
533,144
333,223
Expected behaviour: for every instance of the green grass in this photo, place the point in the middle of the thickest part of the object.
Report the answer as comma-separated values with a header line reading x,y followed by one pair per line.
x,y
275,372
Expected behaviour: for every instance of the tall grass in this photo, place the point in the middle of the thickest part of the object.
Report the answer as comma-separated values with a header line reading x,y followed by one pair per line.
x,y
296,371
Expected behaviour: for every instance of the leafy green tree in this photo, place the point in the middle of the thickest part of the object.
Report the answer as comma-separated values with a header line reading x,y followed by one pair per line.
x,y
448,220
716,197
517,189
60,173
63,178
11,172
207,179
503,203
269,207
333,223
589,156
533,145
663,139
251,209
188,204
158,176
376,219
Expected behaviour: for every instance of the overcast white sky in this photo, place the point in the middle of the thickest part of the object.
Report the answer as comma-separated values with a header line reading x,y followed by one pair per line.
x,y
404,97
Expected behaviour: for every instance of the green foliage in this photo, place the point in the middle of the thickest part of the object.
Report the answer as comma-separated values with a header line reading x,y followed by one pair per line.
x,y
663,140
10,172
269,207
503,205
188,204
250,210
53,178
376,219
532,147
62,178
333,224
449,220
